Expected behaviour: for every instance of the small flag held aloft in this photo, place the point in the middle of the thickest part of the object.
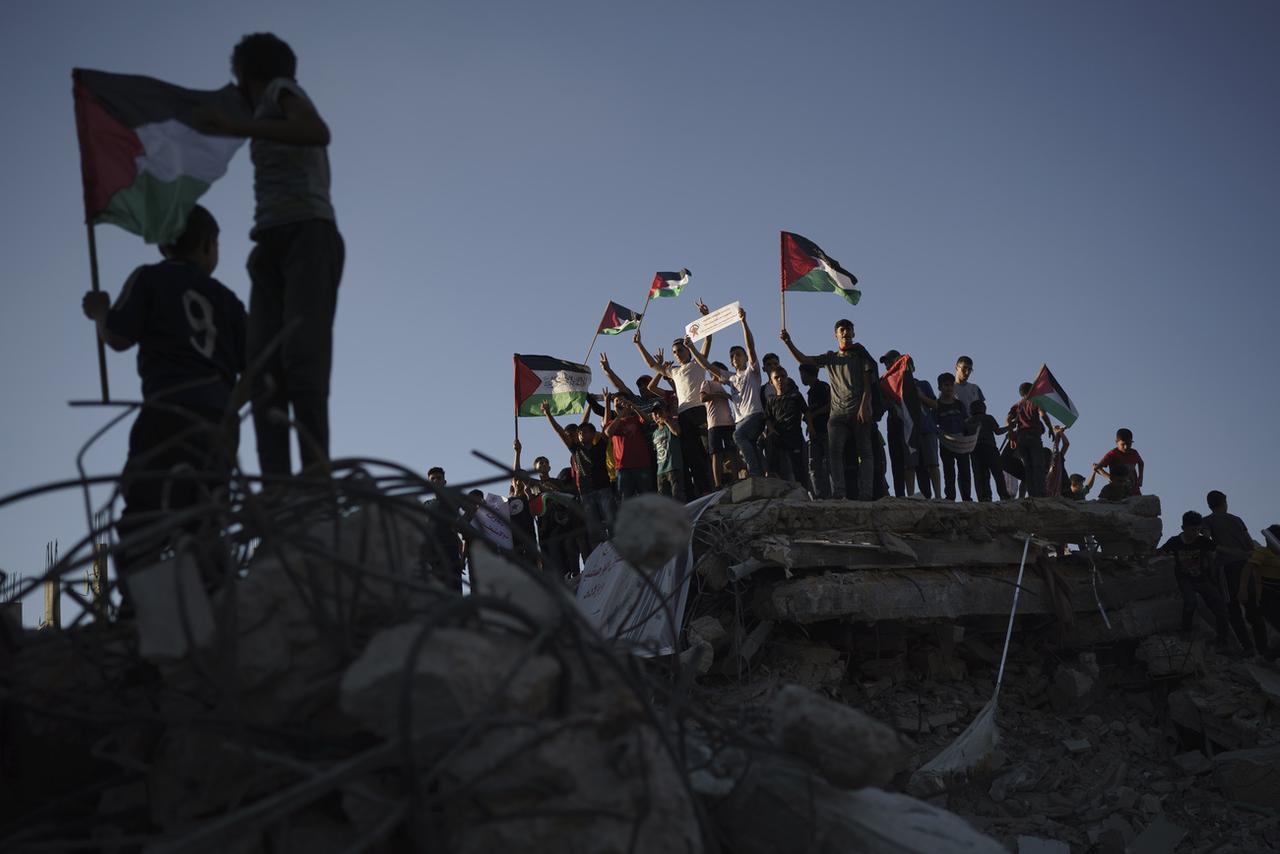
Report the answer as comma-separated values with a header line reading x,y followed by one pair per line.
x,y
618,319
1049,396
668,284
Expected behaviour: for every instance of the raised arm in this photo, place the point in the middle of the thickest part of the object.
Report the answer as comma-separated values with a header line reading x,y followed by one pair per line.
x,y
654,380
699,358
795,354
564,437
608,371
749,340
301,124
648,359
706,342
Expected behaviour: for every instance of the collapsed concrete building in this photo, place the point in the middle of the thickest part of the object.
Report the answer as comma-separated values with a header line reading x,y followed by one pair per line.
x,y
331,698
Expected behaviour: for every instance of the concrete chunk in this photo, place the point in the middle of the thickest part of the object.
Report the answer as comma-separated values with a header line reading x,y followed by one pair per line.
x,y
849,748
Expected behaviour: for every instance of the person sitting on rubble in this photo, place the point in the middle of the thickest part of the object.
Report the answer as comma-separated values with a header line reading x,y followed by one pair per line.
x,y
190,331
1118,489
1194,570
1080,487
1235,548
1124,453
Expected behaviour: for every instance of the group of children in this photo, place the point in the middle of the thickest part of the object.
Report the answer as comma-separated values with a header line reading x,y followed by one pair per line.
x,y
196,343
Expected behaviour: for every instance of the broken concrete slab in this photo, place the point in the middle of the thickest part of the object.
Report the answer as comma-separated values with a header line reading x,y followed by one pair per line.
x,y
847,747
1268,680
776,806
453,673
910,593
1167,655
174,616
1122,527
1252,776
1035,845
1160,837
757,488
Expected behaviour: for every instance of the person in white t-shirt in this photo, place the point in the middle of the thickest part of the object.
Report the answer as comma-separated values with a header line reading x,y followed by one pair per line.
x,y
748,404
687,375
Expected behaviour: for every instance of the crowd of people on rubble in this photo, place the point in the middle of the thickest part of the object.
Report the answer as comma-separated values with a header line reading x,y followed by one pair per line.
x,y
692,425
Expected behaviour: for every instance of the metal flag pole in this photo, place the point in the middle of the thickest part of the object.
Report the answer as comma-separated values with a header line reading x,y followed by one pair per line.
x,y
782,277
593,345
102,352
515,393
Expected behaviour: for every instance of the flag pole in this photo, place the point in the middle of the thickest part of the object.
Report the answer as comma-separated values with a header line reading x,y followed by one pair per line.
x,y
592,347
515,392
782,278
93,277
645,310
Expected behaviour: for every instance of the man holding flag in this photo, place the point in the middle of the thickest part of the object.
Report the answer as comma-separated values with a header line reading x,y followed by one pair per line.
x,y
297,262
853,375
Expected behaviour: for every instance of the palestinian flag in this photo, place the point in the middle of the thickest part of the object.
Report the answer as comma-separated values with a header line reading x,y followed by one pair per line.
x,y
618,319
805,267
668,284
542,379
1049,396
892,387
143,164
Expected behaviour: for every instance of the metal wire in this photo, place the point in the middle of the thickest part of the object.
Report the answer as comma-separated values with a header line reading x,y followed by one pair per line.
x,y
337,544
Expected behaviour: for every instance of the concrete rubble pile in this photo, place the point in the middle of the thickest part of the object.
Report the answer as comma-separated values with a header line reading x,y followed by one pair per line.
x,y
1116,733
333,700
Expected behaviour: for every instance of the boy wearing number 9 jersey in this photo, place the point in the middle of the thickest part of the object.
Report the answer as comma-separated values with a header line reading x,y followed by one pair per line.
x,y
190,333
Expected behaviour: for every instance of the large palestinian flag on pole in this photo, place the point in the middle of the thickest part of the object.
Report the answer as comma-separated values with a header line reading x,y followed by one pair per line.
x,y
668,284
618,319
542,379
1049,396
805,267
144,165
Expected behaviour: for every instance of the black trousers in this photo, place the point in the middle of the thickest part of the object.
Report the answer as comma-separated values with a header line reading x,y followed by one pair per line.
x,y
177,457
985,461
897,455
295,270
693,447
955,466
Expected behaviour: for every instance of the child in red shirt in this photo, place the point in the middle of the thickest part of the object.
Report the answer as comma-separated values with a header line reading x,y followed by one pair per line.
x,y
1125,453
630,447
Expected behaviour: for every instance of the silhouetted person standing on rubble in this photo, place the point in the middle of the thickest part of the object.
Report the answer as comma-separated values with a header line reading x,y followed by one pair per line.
x,y
297,263
190,333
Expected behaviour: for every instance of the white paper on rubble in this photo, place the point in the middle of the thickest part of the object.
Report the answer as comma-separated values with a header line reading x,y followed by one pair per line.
x,y
616,598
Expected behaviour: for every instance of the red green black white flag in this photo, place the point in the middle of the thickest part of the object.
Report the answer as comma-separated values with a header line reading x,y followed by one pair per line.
x,y
565,386
143,163
805,267
618,319
1047,394
668,284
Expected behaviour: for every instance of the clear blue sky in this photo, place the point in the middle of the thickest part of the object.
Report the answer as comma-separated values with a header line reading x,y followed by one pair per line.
x,y
1092,185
